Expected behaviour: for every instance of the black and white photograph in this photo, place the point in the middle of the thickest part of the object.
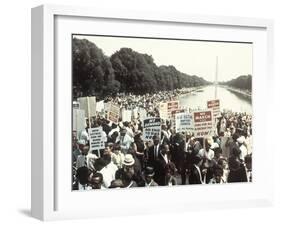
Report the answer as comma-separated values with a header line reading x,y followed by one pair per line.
x,y
151,112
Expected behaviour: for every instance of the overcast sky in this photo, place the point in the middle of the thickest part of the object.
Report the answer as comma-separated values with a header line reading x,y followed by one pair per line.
x,y
191,57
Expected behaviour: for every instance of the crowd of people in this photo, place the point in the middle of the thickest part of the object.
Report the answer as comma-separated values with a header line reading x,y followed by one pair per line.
x,y
167,160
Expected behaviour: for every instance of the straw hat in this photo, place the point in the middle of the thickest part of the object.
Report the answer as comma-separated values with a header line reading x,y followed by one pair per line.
x,y
128,160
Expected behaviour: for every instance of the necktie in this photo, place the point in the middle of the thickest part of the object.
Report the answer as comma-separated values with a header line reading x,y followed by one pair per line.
x,y
85,161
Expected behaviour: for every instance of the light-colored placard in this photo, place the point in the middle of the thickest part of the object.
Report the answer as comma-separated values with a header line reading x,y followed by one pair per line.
x,y
163,110
215,106
96,138
78,123
88,104
184,123
113,112
172,106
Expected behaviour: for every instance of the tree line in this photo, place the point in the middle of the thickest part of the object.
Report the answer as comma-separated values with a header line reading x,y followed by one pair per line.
x,y
241,82
125,71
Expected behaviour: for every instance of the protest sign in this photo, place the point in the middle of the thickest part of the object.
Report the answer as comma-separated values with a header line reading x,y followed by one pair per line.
x,y
151,127
126,115
96,138
88,104
78,121
174,112
113,113
215,106
184,123
172,106
163,110
203,123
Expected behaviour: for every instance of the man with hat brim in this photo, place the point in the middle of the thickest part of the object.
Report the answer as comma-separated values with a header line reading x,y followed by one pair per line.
x,y
127,172
148,174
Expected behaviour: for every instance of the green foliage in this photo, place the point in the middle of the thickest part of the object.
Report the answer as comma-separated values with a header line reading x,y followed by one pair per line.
x,y
125,71
241,82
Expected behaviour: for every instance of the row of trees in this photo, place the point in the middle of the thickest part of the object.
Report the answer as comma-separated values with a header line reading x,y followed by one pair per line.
x,y
125,71
241,82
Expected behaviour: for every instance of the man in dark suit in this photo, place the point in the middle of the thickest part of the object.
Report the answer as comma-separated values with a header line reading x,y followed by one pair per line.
x,y
178,155
196,176
153,151
160,165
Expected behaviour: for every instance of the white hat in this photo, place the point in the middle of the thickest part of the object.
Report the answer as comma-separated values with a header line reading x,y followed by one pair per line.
x,y
214,146
241,140
82,142
210,140
128,160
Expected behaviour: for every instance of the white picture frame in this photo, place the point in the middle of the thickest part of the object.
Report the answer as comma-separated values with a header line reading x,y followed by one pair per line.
x,y
50,200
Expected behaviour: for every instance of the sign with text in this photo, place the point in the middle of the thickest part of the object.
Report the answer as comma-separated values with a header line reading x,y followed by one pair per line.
x,y
215,105
172,106
203,123
96,138
184,123
151,127
113,113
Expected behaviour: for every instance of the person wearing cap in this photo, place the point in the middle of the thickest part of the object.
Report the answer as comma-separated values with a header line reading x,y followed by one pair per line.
x,y
148,175
127,172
